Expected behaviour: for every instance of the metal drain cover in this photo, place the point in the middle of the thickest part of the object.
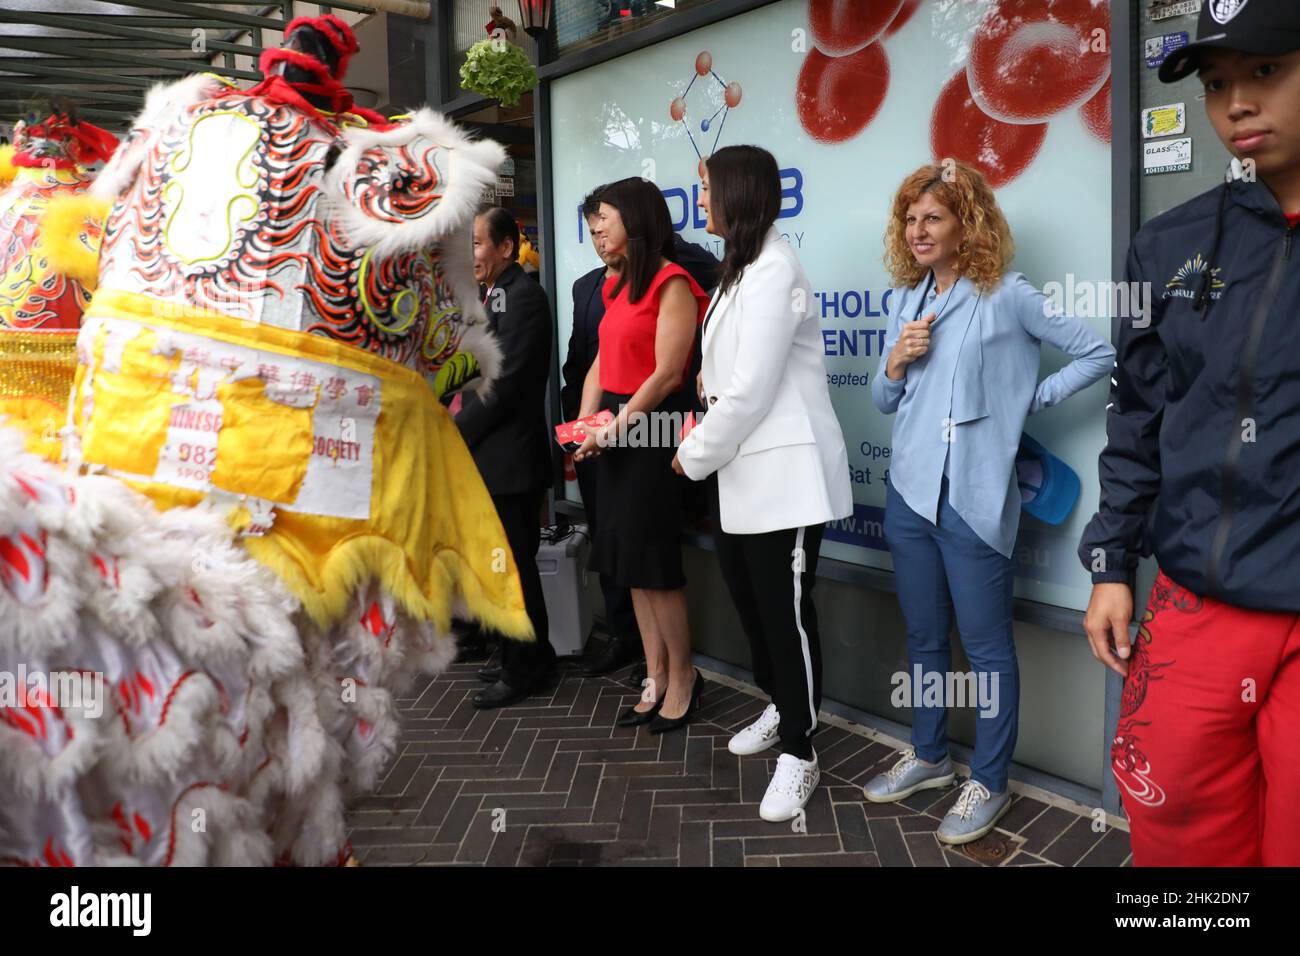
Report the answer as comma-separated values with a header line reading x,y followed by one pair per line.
x,y
989,850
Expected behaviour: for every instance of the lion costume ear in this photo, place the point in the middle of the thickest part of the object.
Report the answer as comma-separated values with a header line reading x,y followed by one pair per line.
x,y
418,186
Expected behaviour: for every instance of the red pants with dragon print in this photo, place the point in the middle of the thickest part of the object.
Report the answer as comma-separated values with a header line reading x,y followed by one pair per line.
x,y
1207,750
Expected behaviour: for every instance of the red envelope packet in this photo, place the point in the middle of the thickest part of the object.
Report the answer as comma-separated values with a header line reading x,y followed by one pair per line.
x,y
688,426
571,437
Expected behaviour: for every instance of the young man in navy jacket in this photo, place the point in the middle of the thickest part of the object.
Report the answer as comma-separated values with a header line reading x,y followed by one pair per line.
x,y
1202,468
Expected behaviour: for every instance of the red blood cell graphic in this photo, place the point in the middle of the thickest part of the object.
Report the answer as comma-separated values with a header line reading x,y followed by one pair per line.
x,y
960,130
838,96
704,63
1096,113
844,26
733,94
904,14
677,110
702,168
1031,59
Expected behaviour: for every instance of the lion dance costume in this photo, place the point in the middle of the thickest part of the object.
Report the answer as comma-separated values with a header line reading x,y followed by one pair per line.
x,y
235,519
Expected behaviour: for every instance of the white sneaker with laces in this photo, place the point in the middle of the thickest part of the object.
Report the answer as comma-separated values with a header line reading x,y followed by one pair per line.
x,y
758,736
791,786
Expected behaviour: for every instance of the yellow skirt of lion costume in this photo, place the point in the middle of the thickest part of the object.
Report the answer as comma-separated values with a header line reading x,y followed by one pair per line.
x,y
429,531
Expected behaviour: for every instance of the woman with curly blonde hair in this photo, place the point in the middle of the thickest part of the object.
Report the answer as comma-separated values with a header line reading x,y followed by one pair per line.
x,y
960,369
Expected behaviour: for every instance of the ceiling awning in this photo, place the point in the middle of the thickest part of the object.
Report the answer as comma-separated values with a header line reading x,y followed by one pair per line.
x,y
103,56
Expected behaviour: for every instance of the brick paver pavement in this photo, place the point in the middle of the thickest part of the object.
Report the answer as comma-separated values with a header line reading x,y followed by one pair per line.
x,y
552,781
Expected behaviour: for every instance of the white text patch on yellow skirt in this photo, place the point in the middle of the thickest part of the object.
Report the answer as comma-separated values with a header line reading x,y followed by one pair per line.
x,y
192,411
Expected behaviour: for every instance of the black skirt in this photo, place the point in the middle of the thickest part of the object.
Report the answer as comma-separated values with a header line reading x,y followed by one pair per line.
x,y
638,542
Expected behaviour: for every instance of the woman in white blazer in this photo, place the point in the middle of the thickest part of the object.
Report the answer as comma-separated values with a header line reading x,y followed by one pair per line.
x,y
771,436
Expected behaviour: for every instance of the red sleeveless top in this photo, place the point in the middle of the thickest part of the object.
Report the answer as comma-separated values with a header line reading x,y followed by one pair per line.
x,y
627,332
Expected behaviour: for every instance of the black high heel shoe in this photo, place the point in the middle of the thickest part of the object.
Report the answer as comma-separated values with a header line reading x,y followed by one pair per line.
x,y
635,718
662,725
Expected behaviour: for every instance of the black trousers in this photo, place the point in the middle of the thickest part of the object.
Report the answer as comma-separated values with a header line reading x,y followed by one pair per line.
x,y
770,577
620,616
522,662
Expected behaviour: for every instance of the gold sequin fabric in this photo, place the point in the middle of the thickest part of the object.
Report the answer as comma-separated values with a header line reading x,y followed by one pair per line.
x,y
38,365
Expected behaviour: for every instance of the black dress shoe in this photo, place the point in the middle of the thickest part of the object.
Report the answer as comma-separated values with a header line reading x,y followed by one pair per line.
x,y
500,694
662,725
490,674
634,718
616,652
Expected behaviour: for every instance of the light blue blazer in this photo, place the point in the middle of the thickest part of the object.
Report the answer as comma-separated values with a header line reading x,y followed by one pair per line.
x,y
962,406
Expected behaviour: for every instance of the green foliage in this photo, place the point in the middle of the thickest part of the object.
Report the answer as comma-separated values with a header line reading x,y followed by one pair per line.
x,y
498,69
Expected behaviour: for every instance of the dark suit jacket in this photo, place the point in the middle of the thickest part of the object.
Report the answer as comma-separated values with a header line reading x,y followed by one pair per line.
x,y
589,309
698,261
584,339
507,433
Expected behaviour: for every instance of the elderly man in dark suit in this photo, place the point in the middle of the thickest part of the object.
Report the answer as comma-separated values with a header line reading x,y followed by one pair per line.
x,y
588,309
508,436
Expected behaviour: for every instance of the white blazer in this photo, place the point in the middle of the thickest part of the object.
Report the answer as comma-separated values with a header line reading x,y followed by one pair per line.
x,y
770,431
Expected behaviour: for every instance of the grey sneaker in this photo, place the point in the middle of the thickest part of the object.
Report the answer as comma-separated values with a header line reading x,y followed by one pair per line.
x,y
906,777
974,814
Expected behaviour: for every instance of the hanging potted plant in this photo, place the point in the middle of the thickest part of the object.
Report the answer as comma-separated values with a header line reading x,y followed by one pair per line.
x,y
495,67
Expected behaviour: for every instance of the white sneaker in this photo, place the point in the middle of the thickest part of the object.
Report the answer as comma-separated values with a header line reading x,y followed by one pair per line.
x,y
759,735
791,786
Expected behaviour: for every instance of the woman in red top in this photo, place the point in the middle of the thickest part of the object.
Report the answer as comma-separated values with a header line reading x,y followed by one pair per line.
x,y
652,309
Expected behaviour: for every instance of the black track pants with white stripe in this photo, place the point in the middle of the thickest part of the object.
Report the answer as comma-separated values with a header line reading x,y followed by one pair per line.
x,y
770,577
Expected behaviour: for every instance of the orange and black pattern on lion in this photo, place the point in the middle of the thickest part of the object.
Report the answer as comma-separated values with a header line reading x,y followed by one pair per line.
x,y
1129,761
396,306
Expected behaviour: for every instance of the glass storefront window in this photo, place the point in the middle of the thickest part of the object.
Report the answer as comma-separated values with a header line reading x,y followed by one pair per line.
x,y
585,23
577,24
469,20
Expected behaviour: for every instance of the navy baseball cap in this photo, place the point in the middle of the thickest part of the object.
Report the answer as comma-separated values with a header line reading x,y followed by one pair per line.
x,y
1251,26
1048,486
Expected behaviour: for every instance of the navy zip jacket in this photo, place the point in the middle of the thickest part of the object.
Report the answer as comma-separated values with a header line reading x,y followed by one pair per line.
x,y
1202,460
